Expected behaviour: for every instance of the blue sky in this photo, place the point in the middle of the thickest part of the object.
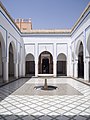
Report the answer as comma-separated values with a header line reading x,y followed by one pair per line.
x,y
47,14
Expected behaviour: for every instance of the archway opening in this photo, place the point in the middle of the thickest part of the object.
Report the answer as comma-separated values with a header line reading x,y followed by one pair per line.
x,y
11,62
30,65
80,62
61,65
1,64
45,64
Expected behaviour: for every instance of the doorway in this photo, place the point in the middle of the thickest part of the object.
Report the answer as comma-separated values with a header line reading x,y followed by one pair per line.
x,y
45,63
45,66
80,62
30,65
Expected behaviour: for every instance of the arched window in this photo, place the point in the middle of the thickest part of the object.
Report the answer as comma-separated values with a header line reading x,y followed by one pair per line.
x,y
61,65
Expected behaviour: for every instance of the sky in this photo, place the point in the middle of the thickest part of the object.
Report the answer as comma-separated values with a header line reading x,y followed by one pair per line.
x,y
47,14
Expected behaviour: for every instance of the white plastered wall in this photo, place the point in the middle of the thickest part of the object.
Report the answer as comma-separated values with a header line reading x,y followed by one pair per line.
x,y
48,43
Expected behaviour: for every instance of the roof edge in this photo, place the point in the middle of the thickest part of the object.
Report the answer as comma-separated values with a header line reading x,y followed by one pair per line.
x,y
48,31
81,16
7,13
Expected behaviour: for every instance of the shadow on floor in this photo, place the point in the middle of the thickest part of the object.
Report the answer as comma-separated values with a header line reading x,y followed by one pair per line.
x,y
43,117
9,88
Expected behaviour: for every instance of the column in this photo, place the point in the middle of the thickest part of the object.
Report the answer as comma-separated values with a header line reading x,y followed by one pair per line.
x,y
55,61
71,69
23,69
20,69
20,65
76,69
55,68
67,66
16,70
36,68
86,70
16,64
36,60
5,69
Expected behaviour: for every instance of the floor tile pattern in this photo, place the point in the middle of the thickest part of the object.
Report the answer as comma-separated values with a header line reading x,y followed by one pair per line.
x,y
62,89
36,107
11,87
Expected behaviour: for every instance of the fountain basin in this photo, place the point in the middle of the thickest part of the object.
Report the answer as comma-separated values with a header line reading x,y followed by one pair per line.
x,y
43,88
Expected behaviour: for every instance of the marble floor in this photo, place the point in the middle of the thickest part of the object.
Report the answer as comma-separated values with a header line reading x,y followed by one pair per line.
x,y
20,101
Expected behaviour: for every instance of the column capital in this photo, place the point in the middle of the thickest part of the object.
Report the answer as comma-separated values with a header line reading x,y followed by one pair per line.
x,y
72,61
54,60
36,61
87,59
4,59
76,61
15,61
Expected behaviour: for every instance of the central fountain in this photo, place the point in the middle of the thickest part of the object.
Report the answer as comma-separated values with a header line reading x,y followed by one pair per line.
x,y
45,86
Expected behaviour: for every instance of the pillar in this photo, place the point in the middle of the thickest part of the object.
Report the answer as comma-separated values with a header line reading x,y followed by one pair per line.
x,y
23,69
55,68
5,69
76,69
86,70
36,60
16,70
71,69
55,61
67,68
20,69
36,68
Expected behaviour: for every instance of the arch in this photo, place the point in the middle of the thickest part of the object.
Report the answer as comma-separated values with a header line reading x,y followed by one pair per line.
x,y
11,59
30,65
45,63
80,61
12,44
77,48
61,65
45,52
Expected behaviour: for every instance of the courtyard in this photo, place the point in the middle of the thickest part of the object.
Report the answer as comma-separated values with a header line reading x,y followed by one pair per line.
x,y
20,101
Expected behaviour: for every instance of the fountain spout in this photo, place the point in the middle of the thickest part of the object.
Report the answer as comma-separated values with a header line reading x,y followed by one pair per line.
x,y
45,85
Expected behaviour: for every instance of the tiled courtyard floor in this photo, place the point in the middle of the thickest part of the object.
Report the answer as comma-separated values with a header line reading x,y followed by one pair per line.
x,y
25,103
